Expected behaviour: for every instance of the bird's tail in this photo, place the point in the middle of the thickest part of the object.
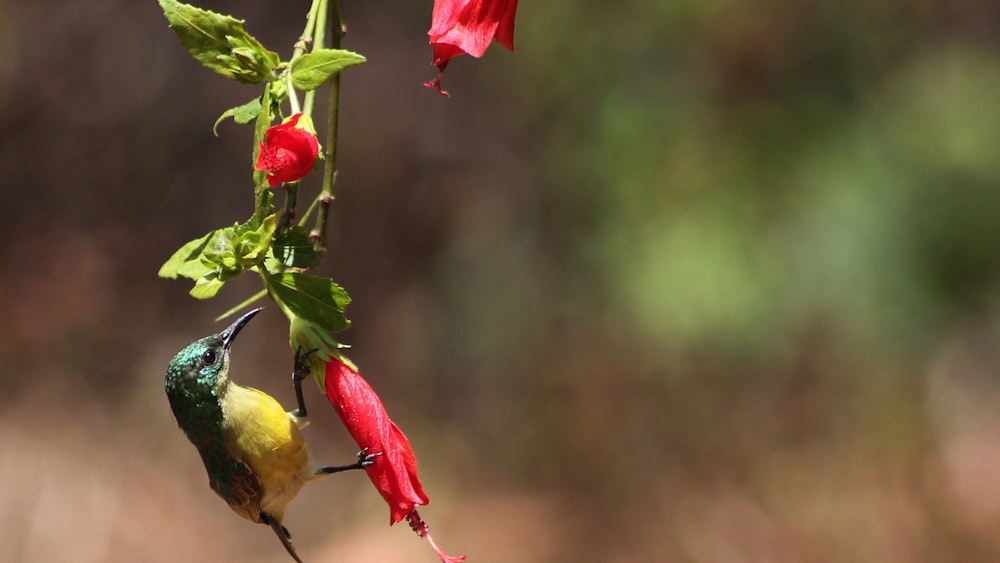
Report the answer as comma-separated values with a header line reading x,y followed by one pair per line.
x,y
282,533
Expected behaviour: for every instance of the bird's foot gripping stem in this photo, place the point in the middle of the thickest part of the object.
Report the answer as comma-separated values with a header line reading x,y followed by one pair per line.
x,y
365,459
300,372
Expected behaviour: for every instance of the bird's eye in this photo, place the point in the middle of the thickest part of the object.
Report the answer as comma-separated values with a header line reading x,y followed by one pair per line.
x,y
209,357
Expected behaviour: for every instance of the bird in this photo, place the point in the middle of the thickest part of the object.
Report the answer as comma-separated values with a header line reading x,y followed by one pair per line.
x,y
253,450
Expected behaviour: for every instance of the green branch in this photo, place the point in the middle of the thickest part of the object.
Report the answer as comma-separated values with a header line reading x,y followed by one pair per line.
x,y
318,234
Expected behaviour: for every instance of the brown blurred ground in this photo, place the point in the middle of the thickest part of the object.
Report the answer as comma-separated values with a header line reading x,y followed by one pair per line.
x,y
676,281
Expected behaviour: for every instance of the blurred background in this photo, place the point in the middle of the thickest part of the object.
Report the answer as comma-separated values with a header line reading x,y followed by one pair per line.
x,y
676,281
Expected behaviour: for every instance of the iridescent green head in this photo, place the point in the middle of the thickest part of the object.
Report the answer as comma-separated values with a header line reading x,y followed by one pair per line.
x,y
199,371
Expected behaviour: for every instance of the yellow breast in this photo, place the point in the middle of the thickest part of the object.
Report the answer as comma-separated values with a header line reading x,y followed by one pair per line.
x,y
264,436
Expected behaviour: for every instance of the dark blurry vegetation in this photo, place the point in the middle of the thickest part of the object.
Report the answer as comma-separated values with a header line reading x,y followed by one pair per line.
x,y
675,281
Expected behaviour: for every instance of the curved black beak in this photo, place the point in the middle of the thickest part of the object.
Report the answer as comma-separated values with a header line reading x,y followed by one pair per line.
x,y
230,333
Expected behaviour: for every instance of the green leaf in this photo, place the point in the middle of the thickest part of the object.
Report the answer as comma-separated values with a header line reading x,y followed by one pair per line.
x,y
263,208
249,301
293,249
241,114
186,262
279,93
313,69
219,42
250,243
222,254
312,298
207,286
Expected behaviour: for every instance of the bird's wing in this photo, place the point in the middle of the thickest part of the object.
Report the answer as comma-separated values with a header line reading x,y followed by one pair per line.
x,y
241,489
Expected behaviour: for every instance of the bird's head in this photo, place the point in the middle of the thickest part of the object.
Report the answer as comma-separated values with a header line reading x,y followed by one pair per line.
x,y
205,362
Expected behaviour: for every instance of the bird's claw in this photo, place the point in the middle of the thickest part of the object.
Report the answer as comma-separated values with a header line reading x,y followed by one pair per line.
x,y
366,459
302,370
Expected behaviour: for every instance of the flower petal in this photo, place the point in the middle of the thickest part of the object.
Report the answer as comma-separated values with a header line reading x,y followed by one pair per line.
x,y
468,26
505,29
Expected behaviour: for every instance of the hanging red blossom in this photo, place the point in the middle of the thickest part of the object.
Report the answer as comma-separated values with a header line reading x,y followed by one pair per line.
x,y
394,472
287,152
468,26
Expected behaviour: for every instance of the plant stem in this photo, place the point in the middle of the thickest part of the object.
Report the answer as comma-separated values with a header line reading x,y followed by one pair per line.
x,y
293,99
308,213
316,11
291,200
318,234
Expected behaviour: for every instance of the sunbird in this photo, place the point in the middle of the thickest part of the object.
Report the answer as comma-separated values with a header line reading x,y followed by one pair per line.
x,y
253,450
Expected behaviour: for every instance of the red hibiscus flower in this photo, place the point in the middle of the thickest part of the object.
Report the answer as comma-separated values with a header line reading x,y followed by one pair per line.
x,y
287,152
468,26
394,472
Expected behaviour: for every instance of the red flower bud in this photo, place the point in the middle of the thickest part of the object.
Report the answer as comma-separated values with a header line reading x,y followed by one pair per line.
x,y
468,26
287,153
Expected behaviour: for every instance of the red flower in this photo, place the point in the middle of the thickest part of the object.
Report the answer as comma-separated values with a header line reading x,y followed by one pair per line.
x,y
287,153
394,472
468,26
